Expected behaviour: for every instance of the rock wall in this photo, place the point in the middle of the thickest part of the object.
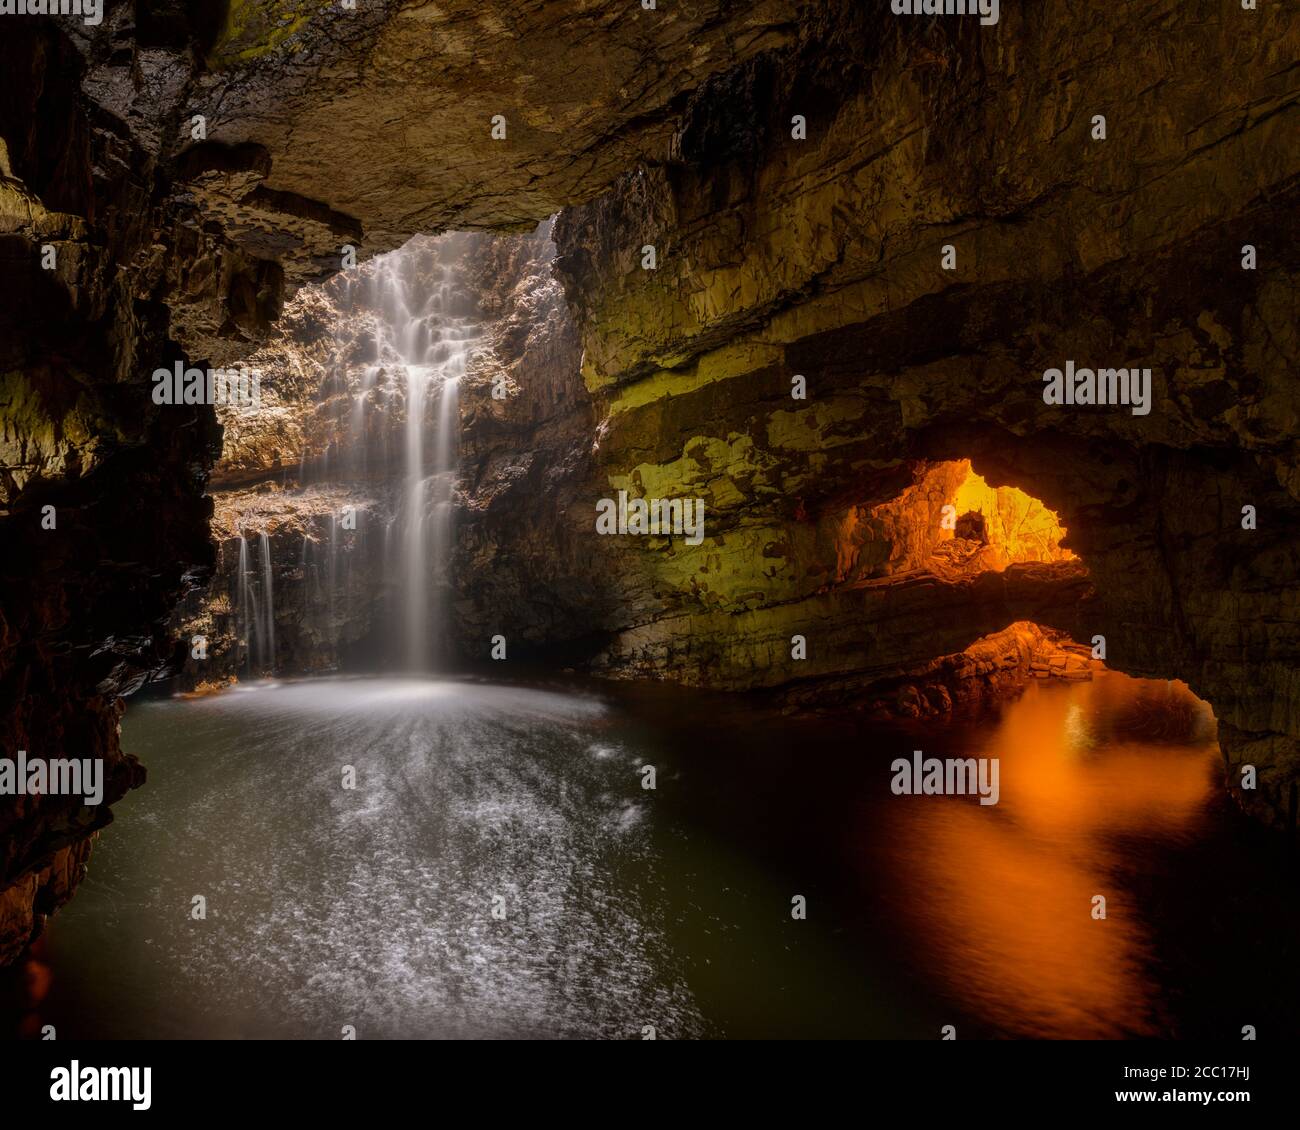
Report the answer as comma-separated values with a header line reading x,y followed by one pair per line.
x,y
824,258
103,517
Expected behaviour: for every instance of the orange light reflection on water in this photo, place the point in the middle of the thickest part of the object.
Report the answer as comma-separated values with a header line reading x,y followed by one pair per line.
x,y
1000,897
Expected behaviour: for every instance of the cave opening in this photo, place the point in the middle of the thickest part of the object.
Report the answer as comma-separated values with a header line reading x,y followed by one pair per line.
x,y
1014,596
994,527
949,522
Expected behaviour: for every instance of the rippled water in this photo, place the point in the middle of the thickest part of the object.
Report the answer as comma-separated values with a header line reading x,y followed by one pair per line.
x,y
625,907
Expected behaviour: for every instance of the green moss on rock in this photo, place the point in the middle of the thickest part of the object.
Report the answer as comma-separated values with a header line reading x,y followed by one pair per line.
x,y
256,28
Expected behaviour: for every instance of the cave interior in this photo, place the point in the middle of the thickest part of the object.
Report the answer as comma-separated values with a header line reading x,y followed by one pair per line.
x,y
839,350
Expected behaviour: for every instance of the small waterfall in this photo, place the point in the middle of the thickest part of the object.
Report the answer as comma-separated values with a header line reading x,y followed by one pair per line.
x,y
268,606
246,613
305,567
395,448
357,425
331,577
428,324
255,606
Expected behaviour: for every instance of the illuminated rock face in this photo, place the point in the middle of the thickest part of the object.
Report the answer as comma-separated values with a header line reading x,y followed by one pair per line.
x,y
949,519
825,259
1014,525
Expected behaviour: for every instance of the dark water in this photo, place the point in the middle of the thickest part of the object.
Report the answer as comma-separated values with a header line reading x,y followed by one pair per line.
x,y
626,907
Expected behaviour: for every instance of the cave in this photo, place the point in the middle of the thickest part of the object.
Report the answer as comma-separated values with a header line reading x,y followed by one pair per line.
x,y
495,537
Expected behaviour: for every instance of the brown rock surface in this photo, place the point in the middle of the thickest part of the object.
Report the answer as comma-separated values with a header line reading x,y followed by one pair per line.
x,y
822,258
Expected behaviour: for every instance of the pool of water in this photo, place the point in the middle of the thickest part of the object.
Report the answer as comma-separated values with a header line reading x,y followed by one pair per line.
x,y
499,870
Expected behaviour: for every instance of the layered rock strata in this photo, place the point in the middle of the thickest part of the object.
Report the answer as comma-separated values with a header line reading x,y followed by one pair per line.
x,y
1168,245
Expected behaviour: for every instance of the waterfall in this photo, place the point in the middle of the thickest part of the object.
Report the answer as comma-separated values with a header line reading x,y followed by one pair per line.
x,y
255,606
305,568
430,329
426,513
395,448
246,614
441,506
268,606
357,425
331,577
414,506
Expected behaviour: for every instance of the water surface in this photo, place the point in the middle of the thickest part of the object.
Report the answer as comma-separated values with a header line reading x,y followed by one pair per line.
x,y
619,908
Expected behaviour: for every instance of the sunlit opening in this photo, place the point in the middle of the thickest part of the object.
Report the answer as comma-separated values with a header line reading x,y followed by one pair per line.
x,y
948,521
1002,525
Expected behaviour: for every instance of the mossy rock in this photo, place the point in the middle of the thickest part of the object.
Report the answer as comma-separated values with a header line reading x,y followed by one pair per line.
x,y
257,28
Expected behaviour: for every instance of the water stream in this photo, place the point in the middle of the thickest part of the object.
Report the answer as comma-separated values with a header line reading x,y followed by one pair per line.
x,y
428,326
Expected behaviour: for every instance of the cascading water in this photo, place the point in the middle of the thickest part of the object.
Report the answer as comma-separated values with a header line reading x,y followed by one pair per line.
x,y
268,606
255,606
245,607
331,575
352,567
426,332
441,506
